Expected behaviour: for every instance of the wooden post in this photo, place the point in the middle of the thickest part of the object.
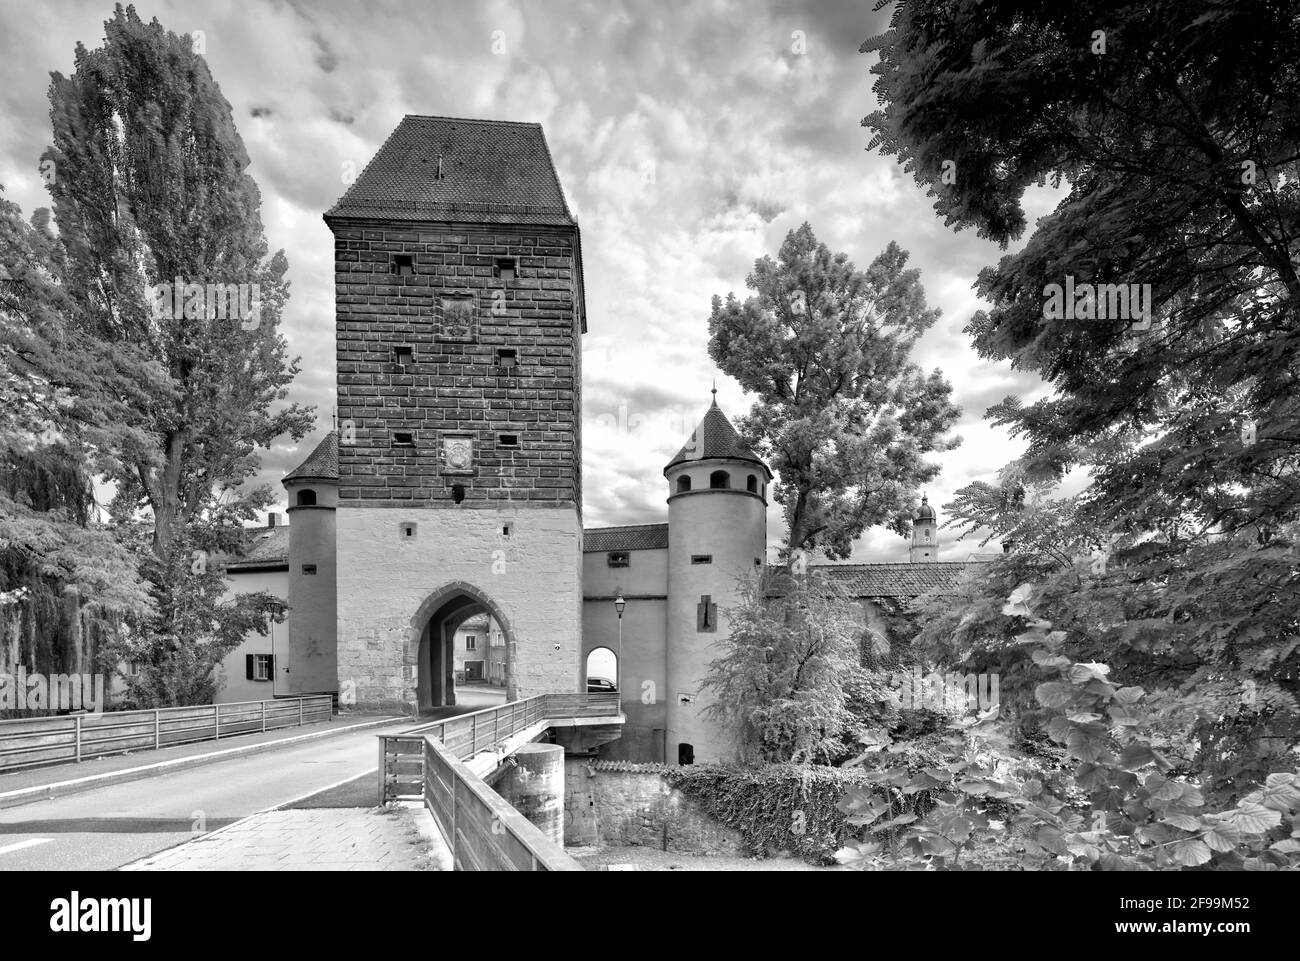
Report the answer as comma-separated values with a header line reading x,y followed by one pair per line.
x,y
78,717
157,729
383,774
300,712
263,717
473,735
217,711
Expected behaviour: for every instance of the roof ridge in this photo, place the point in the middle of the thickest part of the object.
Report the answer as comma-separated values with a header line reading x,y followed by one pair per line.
x,y
623,527
438,116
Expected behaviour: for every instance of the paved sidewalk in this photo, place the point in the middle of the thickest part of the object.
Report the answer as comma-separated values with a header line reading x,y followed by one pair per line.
x,y
320,839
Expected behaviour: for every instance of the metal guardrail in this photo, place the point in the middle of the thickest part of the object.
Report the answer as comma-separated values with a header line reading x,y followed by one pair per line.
x,y
484,832
35,741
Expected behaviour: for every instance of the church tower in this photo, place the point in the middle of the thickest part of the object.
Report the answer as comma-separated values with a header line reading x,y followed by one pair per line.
x,y
459,315
717,534
925,534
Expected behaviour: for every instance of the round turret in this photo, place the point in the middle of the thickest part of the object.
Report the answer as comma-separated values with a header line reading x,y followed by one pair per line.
x,y
717,534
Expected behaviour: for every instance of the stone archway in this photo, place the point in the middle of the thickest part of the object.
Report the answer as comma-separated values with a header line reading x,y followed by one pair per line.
x,y
433,628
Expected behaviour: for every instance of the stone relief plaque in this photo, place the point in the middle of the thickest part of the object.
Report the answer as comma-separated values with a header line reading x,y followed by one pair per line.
x,y
455,319
458,453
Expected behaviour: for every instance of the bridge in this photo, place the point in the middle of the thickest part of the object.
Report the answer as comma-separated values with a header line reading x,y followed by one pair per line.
x,y
447,766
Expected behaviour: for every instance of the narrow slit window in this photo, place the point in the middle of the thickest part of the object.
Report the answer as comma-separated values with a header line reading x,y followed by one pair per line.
x,y
619,559
309,569
403,438
508,440
701,558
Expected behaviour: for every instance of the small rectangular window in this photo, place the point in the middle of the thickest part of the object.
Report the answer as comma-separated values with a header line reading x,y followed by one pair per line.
x,y
261,667
404,265
405,356
407,529
507,358
505,268
132,668
403,438
619,559
471,642
701,558
309,568
508,440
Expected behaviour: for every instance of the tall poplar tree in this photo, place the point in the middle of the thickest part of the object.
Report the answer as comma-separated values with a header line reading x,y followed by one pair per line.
x,y
150,187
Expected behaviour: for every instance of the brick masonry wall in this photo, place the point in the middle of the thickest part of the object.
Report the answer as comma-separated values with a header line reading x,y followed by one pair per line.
x,y
620,804
533,578
455,383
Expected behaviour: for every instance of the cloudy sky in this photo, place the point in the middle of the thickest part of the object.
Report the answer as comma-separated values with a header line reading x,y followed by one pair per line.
x,y
690,137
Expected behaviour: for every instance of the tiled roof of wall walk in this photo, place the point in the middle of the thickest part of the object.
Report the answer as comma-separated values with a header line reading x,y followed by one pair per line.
x,y
267,547
637,537
492,171
896,580
321,464
714,437
648,766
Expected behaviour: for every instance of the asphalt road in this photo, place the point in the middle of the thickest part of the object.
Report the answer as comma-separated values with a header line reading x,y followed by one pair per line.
x,y
116,824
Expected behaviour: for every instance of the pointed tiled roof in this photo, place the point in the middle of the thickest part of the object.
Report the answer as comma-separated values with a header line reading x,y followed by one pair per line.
x,y
459,170
636,537
321,464
715,437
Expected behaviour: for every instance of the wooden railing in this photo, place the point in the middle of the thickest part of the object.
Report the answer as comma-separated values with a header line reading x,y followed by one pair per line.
x,y
401,756
483,831
33,741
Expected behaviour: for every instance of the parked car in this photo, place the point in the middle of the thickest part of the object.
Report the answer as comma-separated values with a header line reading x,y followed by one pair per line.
x,y
601,685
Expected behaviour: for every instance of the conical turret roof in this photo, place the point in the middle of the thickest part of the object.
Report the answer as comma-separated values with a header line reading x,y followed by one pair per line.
x,y
715,437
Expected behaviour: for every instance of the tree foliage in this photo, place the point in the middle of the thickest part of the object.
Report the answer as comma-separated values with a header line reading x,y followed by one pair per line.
x,y
790,684
843,418
66,584
150,187
1173,130
1140,813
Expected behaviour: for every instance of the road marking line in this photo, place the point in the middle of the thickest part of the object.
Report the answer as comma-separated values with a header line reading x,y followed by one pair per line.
x,y
25,844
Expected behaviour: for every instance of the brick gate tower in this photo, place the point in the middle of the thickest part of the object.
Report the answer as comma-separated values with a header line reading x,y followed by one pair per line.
x,y
459,316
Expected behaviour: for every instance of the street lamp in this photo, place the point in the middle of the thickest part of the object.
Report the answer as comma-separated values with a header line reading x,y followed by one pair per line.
x,y
619,604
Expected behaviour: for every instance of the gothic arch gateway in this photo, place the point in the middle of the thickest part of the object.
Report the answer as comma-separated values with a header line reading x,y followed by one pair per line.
x,y
433,630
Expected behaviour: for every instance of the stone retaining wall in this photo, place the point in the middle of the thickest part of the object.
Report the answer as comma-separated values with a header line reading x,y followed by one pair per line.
x,y
623,804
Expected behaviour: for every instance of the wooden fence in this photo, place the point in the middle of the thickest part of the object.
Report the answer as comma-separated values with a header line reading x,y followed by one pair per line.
x,y
32,741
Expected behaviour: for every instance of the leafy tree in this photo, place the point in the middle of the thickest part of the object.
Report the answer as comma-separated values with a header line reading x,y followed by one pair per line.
x,y
842,416
1208,625
66,584
1173,129
1140,813
789,683
150,187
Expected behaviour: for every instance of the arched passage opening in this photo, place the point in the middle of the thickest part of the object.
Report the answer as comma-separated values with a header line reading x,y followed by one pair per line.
x,y
435,625
602,671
